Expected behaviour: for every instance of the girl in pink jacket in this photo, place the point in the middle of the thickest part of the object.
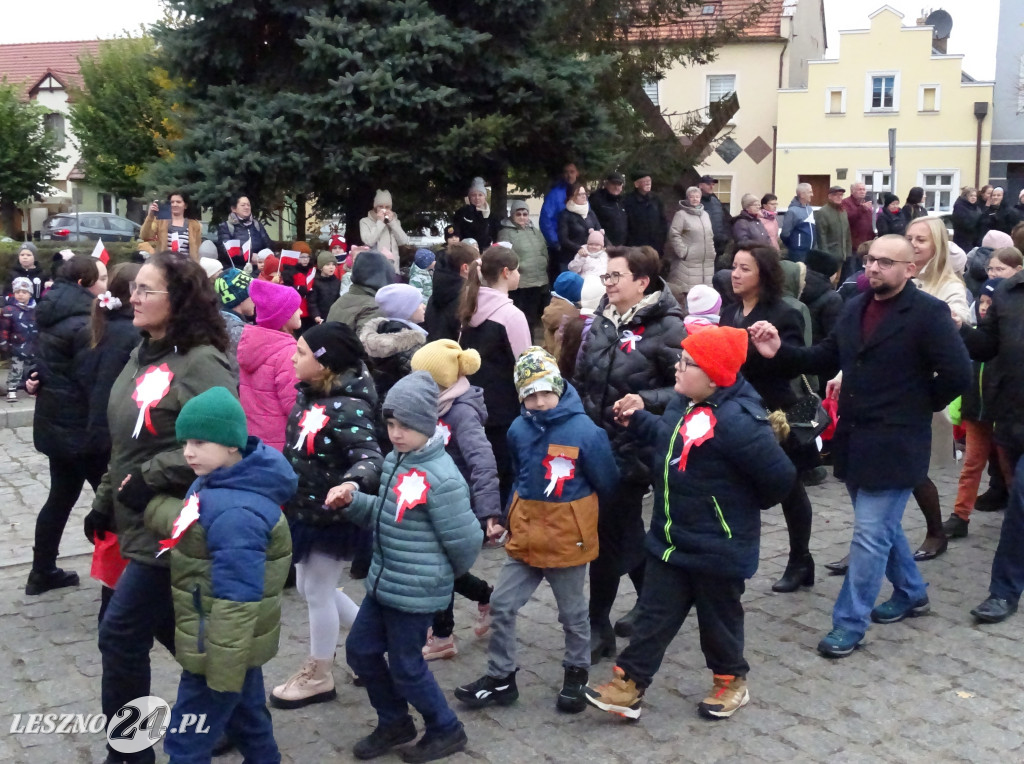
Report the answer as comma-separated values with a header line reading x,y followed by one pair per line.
x,y
266,376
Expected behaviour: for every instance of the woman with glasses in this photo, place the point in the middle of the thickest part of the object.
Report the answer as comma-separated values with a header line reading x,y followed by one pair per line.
x,y
575,223
757,283
532,250
693,246
181,356
628,358
749,225
60,423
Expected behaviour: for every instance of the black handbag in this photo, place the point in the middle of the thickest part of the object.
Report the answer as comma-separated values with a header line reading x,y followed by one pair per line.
x,y
807,417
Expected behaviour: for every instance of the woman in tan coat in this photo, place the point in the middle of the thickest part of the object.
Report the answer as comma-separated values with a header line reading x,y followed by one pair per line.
x,y
179,233
693,248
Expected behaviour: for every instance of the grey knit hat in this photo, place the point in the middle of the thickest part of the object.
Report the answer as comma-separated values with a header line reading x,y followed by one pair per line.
x,y
413,402
478,185
518,204
30,247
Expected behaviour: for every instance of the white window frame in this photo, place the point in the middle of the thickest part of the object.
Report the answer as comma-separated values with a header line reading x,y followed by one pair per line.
x,y
731,192
707,93
876,186
938,97
869,78
828,100
953,188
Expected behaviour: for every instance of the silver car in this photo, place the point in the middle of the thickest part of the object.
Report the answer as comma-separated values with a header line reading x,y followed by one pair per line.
x,y
90,226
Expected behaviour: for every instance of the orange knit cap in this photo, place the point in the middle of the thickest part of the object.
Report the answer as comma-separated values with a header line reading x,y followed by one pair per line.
x,y
719,351
301,246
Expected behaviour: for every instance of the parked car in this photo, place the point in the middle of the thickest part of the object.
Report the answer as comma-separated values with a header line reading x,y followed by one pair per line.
x,y
90,227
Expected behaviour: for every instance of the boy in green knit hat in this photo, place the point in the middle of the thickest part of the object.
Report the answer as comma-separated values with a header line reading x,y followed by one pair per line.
x,y
230,550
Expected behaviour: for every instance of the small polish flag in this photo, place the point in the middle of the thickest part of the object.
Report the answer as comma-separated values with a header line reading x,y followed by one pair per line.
x,y
175,243
289,257
247,250
233,247
100,252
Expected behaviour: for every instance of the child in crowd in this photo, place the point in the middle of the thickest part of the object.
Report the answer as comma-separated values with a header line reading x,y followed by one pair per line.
x,y
28,267
330,439
722,466
421,272
591,260
425,535
266,375
325,289
299,276
270,270
562,462
18,334
230,551
255,265
704,305
212,267
236,308
461,415
564,306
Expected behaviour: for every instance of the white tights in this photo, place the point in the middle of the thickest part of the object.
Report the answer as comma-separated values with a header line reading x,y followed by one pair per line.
x,y
316,579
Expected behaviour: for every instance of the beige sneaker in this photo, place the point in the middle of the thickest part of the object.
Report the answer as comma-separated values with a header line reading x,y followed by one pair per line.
x,y
437,648
620,696
728,694
314,683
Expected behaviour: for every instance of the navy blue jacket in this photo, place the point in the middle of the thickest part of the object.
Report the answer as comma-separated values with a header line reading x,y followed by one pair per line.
x,y
914,364
707,517
254,233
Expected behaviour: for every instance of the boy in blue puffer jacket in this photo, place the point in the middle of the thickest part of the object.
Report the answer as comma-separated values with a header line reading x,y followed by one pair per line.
x,y
718,466
561,462
230,550
424,536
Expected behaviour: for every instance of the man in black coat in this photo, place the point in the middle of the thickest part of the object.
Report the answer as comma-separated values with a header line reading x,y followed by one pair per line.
x,y
901,359
1001,334
607,204
645,215
721,220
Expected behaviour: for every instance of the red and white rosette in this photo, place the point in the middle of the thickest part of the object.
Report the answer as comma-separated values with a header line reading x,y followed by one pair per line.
x,y
558,468
446,431
313,420
411,490
185,519
629,339
150,389
698,427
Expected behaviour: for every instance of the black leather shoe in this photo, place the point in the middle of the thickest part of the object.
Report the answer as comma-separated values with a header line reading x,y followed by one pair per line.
x,y
931,548
383,739
994,610
602,643
993,500
40,581
799,572
839,567
955,527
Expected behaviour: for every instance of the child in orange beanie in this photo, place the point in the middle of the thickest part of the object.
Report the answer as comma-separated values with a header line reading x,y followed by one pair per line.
x,y
718,465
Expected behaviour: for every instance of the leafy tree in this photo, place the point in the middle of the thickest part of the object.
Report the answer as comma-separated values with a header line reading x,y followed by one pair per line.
x,y
121,117
28,158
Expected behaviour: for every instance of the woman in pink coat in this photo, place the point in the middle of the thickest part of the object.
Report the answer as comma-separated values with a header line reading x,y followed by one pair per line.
x,y
266,377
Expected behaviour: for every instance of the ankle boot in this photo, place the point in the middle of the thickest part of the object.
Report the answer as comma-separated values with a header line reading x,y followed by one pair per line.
x,y
570,699
799,572
313,683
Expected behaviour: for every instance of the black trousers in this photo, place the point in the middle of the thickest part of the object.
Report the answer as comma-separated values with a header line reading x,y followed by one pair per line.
x,y
472,588
668,594
497,436
67,476
532,301
620,535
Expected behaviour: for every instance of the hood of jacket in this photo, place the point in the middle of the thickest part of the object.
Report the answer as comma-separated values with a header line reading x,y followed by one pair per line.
x,y
262,471
258,343
384,337
447,284
473,397
794,277
372,270
489,301
815,285
797,203
63,301
569,405
695,211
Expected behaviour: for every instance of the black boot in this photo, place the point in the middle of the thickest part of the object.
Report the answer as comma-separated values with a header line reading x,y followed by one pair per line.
x,y
993,500
624,626
40,581
799,572
602,642
571,699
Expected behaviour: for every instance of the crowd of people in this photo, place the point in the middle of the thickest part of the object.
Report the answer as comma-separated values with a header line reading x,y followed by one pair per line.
x,y
242,412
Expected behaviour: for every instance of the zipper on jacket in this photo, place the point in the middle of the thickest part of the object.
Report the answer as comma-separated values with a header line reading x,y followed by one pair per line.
x,y
721,518
380,511
668,516
197,601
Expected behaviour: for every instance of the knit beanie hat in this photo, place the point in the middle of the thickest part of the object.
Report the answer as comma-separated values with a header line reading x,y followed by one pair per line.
x,y
21,284
371,269
326,258
275,303
207,249
989,287
413,402
336,240
702,300
271,265
596,237
27,245
822,262
537,371
889,198
424,258
997,240
398,300
478,185
232,287
212,266
301,247
382,197
517,205
569,285
720,351
214,415
446,361
263,254
335,345
957,259
591,294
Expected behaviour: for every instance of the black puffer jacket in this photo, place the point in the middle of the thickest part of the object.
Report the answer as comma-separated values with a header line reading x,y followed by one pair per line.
x,y
967,231
442,319
61,421
573,231
823,302
647,225
470,223
99,368
323,293
344,448
612,215
891,222
609,368
1001,217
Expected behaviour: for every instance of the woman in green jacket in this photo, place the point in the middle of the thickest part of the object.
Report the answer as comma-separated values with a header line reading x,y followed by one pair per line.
x,y
528,243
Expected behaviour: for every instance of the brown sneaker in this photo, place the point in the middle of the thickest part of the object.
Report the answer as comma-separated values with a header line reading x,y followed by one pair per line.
x,y
620,696
728,694
313,683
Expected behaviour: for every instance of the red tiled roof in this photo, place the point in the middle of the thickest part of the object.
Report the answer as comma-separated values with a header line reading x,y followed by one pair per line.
x,y
696,24
26,64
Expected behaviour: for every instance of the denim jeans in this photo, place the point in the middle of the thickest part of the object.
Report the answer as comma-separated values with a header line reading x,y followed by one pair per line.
x,y
242,715
404,677
139,611
878,549
1008,564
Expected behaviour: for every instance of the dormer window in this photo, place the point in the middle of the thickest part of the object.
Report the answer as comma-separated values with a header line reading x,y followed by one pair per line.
x,y
708,9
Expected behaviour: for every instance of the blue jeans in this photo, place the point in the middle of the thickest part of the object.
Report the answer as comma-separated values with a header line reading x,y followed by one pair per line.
x,y
404,677
140,610
1008,565
878,548
242,715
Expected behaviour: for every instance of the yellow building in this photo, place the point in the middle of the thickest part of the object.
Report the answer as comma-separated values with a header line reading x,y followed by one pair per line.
x,y
772,53
836,129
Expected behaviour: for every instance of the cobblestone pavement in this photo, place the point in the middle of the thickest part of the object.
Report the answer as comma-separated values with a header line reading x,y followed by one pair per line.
x,y
936,688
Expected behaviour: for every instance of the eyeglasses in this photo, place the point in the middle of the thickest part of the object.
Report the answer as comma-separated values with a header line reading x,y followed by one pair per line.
x,y
885,263
522,212
682,364
140,289
611,279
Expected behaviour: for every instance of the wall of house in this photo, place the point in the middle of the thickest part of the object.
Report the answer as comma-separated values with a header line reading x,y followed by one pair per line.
x,y
1007,165
806,41
854,141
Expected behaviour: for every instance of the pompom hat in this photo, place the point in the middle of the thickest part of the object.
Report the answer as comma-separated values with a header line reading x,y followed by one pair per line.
x,y
446,361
